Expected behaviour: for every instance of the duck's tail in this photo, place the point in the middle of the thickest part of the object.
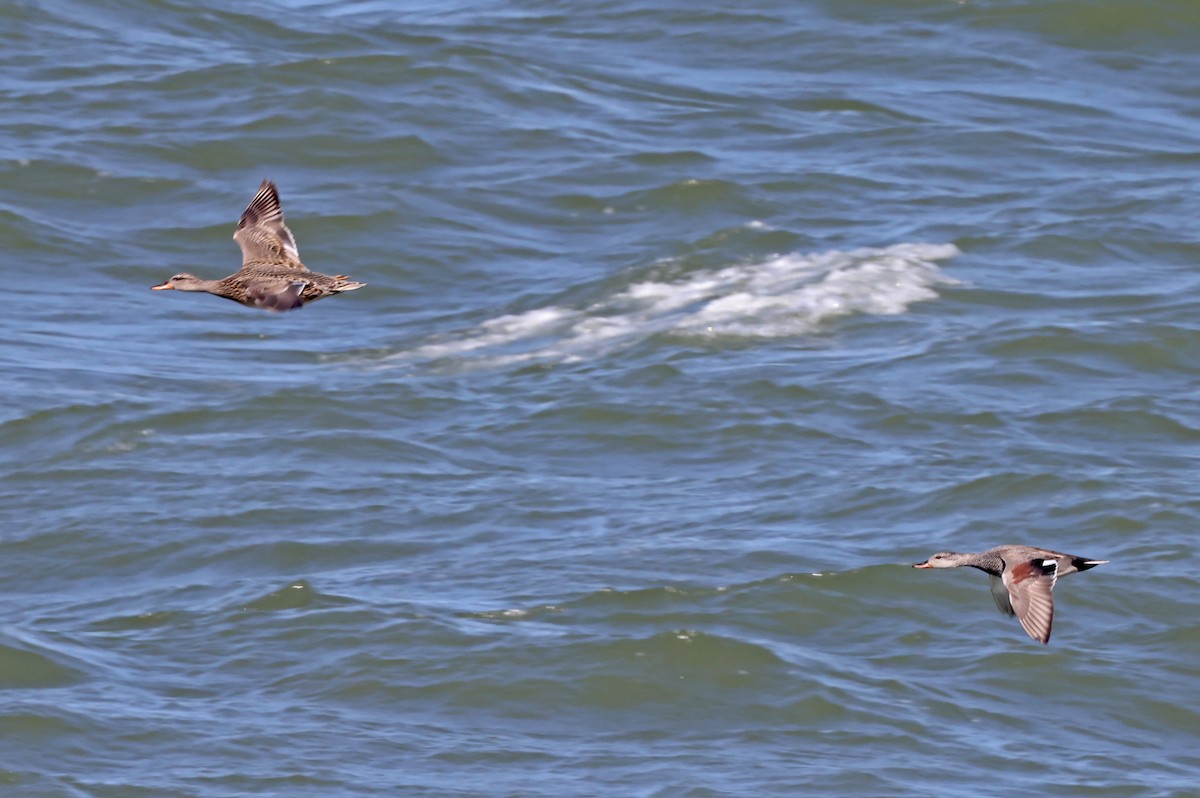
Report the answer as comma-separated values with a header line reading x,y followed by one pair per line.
x,y
344,284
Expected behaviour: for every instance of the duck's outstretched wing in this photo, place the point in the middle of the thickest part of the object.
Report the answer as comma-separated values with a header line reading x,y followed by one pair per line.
x,y
1030,589
276,294
263,236
1000,596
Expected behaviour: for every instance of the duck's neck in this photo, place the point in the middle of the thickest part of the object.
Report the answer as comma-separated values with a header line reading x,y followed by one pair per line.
x,y
208,286
988,561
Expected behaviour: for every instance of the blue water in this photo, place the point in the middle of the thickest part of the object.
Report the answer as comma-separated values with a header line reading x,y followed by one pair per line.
x,y
686,331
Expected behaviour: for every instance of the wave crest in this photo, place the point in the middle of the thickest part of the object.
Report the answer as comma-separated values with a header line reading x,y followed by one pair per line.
x,y
784,296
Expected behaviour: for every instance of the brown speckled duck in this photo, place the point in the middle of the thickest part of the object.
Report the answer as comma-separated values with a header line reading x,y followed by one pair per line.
x,y
272,276
1022,580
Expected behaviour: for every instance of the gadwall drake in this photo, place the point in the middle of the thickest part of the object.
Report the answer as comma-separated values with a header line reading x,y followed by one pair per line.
x,y
272,276
1022,580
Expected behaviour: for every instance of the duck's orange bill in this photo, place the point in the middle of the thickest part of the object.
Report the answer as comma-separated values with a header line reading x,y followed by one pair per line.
x,y
923,565
162,287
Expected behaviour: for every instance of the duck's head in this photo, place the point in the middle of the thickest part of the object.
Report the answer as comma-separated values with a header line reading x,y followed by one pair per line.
x,y
943,559
180,282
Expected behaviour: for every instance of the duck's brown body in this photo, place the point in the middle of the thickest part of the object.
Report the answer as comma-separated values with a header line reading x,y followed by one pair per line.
x,y
272,276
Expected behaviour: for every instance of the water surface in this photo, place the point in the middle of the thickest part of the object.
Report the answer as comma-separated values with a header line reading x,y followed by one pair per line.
x,y
686,332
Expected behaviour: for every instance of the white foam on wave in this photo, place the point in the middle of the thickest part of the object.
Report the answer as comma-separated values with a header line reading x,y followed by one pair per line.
x,y
783,296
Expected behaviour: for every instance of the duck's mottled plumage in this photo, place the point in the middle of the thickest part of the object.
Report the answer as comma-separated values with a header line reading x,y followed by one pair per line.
x,y
272,276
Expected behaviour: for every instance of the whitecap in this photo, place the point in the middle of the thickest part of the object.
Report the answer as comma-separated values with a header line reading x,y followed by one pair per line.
x,y
785,295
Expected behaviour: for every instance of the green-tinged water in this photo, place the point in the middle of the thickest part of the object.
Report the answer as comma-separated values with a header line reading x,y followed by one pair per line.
x,y
686,331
